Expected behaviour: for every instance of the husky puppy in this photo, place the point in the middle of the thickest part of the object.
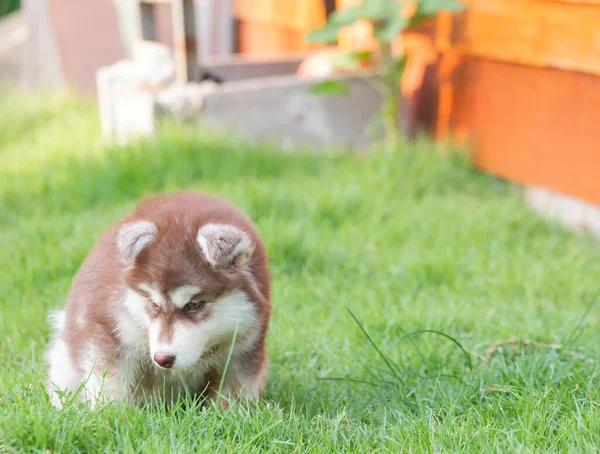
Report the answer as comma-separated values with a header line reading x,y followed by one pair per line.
x,y
160,303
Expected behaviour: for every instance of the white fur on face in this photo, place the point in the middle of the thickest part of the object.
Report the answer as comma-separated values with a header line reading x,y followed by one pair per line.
x,y
156,296
191,340
133,325
181,295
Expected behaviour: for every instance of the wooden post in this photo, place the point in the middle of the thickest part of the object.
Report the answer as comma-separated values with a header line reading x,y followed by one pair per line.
x,y
214,28
184,34
184,40
41,60
146,29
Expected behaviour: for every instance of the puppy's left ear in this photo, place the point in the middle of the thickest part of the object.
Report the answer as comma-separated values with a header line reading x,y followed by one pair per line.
x,y
134,237
225,246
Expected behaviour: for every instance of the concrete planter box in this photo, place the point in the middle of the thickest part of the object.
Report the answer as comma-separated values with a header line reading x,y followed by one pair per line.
x,y
259,99
264,100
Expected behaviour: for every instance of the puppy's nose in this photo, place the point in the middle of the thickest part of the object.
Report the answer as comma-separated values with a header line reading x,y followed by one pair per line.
x,y
164,360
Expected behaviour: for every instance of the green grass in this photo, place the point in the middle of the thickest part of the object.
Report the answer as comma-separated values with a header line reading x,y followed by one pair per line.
x,y
402,243
8,6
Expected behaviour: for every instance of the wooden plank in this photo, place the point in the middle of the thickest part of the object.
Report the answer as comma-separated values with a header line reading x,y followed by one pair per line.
x,y
277,26
38,52
557,34
299,16
268,40
535,126
308,15
578,2
258,12
87,37
232,68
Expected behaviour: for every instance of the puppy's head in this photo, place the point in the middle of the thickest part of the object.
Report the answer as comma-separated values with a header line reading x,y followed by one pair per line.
x,y
188,287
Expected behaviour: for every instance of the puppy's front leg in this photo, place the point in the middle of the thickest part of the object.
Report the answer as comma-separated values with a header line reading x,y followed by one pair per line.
x,y
239,383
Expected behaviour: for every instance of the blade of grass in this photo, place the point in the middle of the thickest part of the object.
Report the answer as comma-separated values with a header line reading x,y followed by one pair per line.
x,y
386,360
424,379
230,354
414,344
355,380
580,328
439,333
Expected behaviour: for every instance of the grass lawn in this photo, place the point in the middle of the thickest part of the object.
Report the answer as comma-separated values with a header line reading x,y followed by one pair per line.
x,y
404,243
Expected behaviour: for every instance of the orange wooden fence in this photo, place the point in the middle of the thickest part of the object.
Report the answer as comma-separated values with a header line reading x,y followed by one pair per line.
x,y
518,80
527,94
277,26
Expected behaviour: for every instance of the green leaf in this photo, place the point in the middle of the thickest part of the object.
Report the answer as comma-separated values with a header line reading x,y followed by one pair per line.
x,y
363,55
379,10
350,60
429,8
342,18
344,61
346,16
330,88
432,7
399,66
327,35
390,30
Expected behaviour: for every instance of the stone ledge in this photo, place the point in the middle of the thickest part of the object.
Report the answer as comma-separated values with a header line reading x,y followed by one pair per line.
x,y
572,213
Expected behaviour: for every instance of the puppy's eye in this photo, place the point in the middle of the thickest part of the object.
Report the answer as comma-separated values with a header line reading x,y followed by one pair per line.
x,y
194,306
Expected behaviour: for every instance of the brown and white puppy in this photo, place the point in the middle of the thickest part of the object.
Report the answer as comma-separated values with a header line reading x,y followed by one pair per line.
x,y
156,304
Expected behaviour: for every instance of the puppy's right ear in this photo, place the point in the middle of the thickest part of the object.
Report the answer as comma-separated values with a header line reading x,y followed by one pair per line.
x,y
134,237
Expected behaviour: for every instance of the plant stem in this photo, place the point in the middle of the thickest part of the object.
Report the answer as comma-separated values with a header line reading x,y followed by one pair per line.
x,y
391,105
